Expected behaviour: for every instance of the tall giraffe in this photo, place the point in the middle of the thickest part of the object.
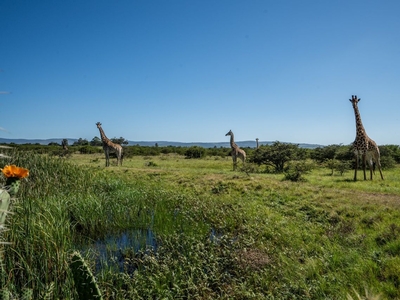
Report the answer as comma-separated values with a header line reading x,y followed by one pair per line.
x,y
110,147
236,151
363,145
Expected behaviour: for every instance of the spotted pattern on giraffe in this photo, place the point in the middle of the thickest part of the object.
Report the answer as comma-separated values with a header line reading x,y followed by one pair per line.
x,y
364,146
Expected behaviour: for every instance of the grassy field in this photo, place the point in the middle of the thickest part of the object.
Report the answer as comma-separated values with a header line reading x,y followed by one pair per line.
x,y
202,231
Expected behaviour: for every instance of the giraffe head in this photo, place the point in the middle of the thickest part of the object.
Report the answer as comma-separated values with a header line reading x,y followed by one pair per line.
x,y
229,133
98,124
354,100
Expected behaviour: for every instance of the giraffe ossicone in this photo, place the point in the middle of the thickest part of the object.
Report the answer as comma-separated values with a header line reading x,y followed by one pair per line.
x,y
236,151
110,147
363,145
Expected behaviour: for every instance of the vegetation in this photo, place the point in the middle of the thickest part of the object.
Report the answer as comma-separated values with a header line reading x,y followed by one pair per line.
x,y
85,282
195,152
162,226
278,155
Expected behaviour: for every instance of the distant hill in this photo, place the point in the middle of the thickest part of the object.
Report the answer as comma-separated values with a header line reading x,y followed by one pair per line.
x,y
243,144
34,141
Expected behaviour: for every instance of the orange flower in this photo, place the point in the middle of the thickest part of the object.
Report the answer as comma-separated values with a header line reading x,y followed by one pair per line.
x,y
14,171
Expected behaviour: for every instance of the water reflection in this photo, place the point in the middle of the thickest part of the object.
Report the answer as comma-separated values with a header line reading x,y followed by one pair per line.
x,y
112,251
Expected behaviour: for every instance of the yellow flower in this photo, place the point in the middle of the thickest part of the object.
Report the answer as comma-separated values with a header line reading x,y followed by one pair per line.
x,y
14,171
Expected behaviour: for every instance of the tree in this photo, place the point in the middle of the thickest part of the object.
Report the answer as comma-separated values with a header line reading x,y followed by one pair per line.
x,y
390,150
277,155
120,141
96,141
81,142
322,154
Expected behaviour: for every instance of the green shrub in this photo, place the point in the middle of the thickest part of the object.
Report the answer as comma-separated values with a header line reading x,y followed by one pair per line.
x,y
296,170
195,152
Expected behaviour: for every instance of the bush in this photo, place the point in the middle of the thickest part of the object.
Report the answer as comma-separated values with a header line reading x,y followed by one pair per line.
x,y
343,166
331,164
89,150
195,152
296,170
250,168
387,162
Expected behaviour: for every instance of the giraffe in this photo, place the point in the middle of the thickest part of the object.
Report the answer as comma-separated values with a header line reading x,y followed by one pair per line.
x,y
236,151
110,147
64,144
363,145
257,143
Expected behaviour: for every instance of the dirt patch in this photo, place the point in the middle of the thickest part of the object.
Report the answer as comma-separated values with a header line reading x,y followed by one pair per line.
x,y
254,259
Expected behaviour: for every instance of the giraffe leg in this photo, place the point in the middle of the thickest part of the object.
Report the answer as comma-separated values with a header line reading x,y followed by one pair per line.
x,y
107,158
377,161
371,171
380,168
371,167
380,171
234,157
364,158
355,168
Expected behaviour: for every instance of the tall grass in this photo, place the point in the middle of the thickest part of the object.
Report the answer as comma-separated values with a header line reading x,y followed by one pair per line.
x,y
62,206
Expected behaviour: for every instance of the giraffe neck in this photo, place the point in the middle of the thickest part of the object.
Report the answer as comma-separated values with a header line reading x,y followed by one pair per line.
x,y
233,144
360,131
103,136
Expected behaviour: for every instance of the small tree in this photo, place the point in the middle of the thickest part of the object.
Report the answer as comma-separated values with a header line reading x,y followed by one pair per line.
x,y
96,141
296,169
277,155
343,166
81,142
331,164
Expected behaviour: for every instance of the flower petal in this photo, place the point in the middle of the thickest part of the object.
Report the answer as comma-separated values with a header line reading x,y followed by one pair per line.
x,y
14,171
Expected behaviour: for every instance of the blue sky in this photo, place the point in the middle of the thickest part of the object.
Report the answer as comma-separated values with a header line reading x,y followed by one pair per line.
x,y
189,71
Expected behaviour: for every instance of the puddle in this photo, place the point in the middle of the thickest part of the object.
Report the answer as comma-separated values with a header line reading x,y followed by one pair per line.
x,y
111,251
216,235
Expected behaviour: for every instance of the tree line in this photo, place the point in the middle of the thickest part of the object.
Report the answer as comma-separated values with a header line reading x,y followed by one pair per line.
x,y
277,157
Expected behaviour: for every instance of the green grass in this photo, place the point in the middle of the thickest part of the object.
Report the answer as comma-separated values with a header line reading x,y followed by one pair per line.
x,y
220,234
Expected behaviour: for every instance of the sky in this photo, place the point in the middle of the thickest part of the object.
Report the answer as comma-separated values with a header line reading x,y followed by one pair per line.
x,y
191,70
